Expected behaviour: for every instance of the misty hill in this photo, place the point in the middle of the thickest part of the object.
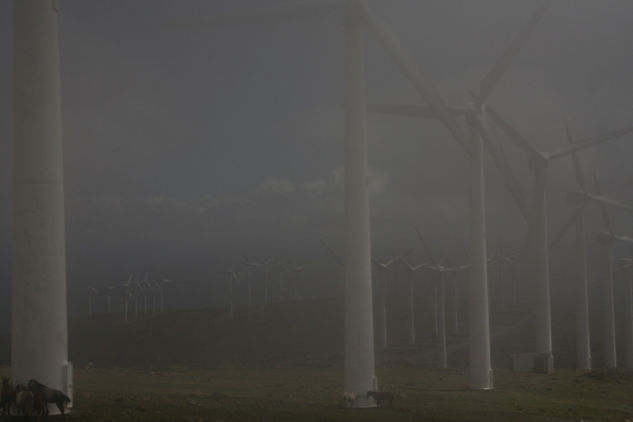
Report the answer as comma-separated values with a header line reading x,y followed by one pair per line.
x,y
301,332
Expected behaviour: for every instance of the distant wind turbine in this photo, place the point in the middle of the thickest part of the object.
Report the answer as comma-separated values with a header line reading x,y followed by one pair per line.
x,y
232,278
609,239
539,242
441,298
383,267
580,200
92,295
250,266
411,269
480,369
627,265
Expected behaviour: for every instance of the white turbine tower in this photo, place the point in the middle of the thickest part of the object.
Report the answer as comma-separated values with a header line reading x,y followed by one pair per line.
x,y
609,239
280,283
232,278
161,288
126,298
266,264
579,200
250,266
92,295
480,368
109,298
39,326
539,242
441,299
627,264
358,317
383,267
411,269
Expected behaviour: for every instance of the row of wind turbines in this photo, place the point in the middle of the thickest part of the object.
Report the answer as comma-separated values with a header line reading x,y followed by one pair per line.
x,y
477,139
142,295
39,284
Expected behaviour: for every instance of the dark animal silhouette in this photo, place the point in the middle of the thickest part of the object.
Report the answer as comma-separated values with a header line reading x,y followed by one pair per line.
x,y
49,395
7,396
381,398
24,402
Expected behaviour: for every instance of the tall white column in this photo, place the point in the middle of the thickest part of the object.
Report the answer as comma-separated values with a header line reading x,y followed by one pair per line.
x,y
442,322
455,305
479,366
610,356
266,274
628,361
39,339
411,308
383,310
359,327
436,324
540,253
583,343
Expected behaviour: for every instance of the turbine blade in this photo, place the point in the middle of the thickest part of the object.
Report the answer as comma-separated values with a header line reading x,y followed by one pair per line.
x,y
496,151
611,202
523,143
403,110
332,253
279,14
625,239
603,208
580,178
590,142
427,249
493,77
413,110
570,221
418,79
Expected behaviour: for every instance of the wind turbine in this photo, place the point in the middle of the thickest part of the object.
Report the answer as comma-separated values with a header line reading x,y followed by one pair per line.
x,y
580,200
126,298
480,367
498,262
627,264
293,274
359,372
250,265
39,323
411,269
92,294
296,270
383,266
161,287
109,298
143,291
282,269
232,278
539,244
441,298
151,286
609,239
266,264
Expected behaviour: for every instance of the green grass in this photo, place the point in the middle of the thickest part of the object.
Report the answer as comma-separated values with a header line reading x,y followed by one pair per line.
x,y
303,394
284,363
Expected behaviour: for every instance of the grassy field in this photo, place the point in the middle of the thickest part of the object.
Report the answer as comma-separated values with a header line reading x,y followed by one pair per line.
x,y
304,394
283,363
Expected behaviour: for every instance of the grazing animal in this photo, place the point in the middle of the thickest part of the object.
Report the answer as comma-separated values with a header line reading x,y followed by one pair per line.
x,y
39,404
24,402
381,398
7,396
49,395
349,398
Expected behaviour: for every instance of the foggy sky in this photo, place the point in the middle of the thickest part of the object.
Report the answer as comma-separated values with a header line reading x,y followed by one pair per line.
x,y
186,147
